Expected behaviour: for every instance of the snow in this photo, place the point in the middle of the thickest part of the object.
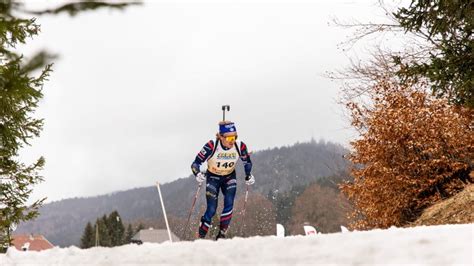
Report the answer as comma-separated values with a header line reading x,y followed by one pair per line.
x,y
440,245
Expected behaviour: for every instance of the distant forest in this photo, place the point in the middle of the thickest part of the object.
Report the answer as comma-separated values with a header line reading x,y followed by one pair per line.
x,y
298,181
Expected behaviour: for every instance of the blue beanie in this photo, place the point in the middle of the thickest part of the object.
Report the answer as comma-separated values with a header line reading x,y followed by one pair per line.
x,y
227,128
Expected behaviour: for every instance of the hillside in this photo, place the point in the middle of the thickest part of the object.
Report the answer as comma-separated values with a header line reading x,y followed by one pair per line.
x,y
458,209
276,170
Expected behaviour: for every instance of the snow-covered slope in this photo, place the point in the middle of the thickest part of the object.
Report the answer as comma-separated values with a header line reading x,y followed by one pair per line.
x,y
440,245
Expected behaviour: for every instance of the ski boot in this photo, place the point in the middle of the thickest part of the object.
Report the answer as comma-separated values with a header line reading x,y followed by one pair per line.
x,y
199,236
202,232
221,234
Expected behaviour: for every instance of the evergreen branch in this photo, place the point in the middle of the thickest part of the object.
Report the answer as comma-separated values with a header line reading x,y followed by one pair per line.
x,y
75,8
39,60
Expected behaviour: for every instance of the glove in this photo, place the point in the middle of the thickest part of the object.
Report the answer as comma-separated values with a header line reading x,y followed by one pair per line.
x,y
200,177
249,180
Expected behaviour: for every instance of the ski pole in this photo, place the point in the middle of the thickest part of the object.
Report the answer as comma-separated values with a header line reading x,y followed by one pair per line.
x,y
245,200
245,205
191,210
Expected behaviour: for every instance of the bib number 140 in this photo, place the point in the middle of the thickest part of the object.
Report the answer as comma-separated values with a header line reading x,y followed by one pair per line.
x,y
225,165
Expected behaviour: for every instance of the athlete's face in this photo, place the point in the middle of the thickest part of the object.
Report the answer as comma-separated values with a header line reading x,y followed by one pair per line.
x,y
229,140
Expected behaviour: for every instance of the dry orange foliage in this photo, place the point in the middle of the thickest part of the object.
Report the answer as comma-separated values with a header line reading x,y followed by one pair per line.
x,y
414,150
322,207
259,218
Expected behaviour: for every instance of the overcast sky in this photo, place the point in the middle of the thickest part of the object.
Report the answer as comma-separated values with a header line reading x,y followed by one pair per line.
x,y
135,94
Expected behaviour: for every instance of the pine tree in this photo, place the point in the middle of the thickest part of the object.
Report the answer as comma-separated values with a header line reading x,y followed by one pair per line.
x,y
104,237
139,227
88,238
129,234
20,92
446,26
116,229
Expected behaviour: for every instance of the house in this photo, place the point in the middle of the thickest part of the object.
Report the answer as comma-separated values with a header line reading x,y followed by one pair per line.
x,y
31,242
153,236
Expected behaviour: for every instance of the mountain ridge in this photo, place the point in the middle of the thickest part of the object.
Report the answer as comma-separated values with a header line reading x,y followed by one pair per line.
x,y
278,169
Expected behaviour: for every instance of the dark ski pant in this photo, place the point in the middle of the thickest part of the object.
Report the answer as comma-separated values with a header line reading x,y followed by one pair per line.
x,y
228,185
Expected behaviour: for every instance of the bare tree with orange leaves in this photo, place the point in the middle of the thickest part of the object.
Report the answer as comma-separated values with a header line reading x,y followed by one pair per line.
x,y
322,207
